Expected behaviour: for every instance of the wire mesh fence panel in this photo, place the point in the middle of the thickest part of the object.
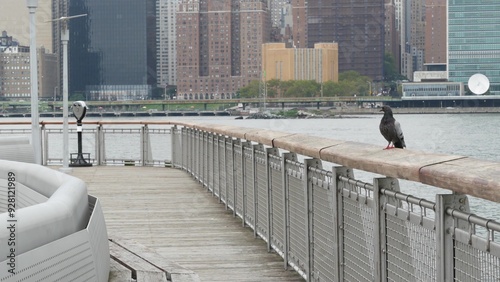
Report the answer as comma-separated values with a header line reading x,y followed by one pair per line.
x,y
262,193
475,258
297,250
358,234
323,230
161,146
410,243
238,170
277,205
117,144
222,181
196,159
231,174
248,193
215,166
176,147
203,165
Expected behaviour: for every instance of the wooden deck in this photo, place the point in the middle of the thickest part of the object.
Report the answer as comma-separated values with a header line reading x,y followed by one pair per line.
x,y
166,210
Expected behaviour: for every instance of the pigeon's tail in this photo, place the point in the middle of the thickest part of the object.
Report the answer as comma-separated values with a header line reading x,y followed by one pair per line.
x,y
400,144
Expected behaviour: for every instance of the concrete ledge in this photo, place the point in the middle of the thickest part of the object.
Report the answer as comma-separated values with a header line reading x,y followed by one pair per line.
x,y
131,261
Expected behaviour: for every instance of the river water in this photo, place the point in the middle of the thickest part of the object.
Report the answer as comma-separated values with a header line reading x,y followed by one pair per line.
x,y
472,135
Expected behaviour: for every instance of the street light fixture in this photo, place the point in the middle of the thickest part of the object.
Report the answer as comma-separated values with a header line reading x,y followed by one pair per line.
x,y
35,124
64,41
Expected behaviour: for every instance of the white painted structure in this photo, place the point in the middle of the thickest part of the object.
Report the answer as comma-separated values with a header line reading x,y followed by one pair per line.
x,y
51,229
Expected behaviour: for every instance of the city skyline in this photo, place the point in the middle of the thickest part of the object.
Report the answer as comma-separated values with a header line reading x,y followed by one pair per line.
x,y
159,53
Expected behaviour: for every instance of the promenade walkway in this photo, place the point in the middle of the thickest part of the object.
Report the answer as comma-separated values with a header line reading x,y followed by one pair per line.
x,y
166,210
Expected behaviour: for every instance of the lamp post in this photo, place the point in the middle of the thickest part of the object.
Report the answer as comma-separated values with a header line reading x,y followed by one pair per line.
x,y
64,42
35,124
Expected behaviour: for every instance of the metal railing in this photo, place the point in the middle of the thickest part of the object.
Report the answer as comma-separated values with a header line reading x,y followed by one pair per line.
x,y
325,223
329,226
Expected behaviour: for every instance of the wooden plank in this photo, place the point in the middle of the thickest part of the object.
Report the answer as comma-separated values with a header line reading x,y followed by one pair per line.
x,y
185,277
168,211
142,270
119,273
151,256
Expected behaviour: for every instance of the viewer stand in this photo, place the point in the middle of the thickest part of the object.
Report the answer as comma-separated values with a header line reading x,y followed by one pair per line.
x,y
79,109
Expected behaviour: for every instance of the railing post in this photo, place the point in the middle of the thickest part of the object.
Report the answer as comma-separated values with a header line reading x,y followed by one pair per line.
x,y
380,238
45,145
212,137
338,221
235,176
145,146
308,196
173,145
196,145
100,145
286,217
444,233
206,159
219,166
187,149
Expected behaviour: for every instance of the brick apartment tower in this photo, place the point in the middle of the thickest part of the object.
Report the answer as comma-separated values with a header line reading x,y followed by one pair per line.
x,y
356,25
391,37
219,46
435,33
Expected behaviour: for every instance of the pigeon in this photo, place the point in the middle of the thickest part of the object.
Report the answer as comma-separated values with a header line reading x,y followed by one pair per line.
x,y
391,129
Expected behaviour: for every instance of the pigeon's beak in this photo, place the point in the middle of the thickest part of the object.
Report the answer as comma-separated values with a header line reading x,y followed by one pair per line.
x,y
381,110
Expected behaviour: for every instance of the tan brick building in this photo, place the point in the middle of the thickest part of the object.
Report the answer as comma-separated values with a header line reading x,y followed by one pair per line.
x,y
319,63
15,71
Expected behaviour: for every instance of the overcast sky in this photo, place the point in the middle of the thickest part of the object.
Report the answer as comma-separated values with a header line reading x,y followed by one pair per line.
x,y
14,18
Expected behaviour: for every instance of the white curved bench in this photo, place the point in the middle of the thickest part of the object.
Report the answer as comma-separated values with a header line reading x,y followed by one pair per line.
x,y
58,230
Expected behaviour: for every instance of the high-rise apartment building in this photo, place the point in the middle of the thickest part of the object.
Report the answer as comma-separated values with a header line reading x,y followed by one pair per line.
x,y
279,9
113,49
474,40
412,36
435,34
166,49
356,25
391,29
299,23
219,46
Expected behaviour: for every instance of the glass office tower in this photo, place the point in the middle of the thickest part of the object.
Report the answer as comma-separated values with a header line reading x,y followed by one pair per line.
x,y
111,51
356,25
474,41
